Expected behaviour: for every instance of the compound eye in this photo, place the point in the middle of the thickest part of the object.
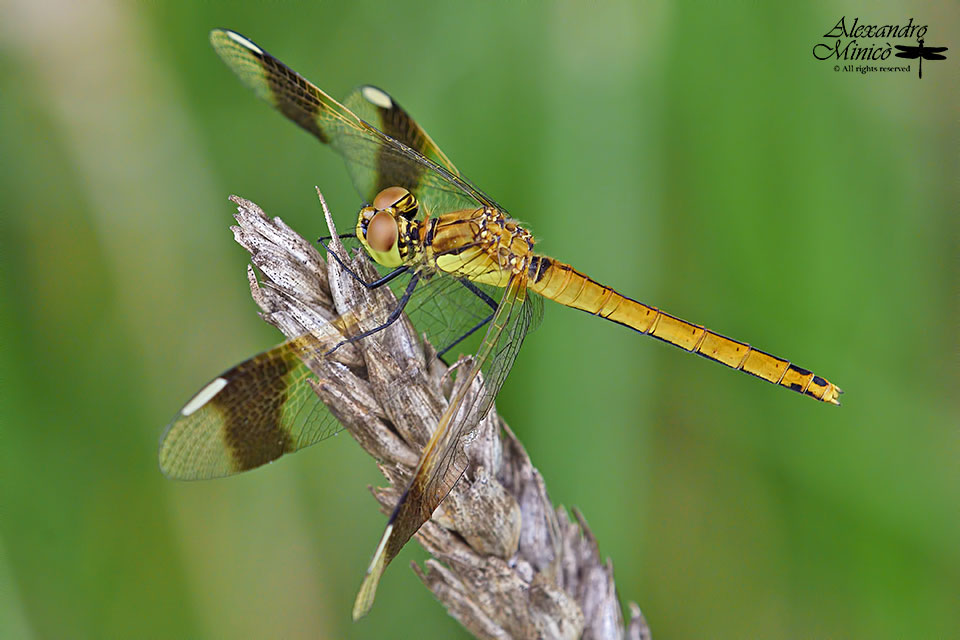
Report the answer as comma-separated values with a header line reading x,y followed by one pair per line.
x,y
382,232
389,197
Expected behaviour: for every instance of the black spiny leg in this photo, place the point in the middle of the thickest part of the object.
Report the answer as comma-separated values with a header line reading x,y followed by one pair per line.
x,y
493,309
393,314
379,282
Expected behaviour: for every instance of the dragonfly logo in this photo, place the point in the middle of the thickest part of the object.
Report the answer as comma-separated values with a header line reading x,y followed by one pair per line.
x,y
861,42
921,53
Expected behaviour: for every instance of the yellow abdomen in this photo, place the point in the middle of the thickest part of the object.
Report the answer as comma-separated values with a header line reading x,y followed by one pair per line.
x,y
564,284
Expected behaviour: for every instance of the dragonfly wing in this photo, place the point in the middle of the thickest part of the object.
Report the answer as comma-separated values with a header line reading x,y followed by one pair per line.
x,y
907,51
443,460
375,106
251,414
373,157
266,407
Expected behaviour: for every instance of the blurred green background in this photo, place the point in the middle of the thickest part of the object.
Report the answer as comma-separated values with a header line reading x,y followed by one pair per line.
x,y
695,156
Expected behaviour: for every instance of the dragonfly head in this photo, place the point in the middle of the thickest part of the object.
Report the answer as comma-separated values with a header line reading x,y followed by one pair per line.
x,y
383,227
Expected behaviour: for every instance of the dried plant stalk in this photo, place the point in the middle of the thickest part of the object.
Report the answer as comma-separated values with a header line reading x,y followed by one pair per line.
x,y
507,564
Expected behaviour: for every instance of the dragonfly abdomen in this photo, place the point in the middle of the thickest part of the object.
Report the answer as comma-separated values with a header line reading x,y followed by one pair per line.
x,y
562,283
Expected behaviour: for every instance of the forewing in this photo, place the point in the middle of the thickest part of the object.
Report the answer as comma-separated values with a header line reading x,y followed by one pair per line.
x,y
443,461
250,415
376,107
519,312
373,157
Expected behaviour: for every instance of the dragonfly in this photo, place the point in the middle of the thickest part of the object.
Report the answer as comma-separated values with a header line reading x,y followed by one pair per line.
x,y
457,261
922,53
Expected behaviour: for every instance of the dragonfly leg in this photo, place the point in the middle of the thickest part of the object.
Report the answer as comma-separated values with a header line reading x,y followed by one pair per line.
x,y
379,282
493,308
343,236
390,319
480,293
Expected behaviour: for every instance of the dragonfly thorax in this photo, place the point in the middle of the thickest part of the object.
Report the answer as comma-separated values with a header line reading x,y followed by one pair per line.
x,y
387,229
507,242
481,244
